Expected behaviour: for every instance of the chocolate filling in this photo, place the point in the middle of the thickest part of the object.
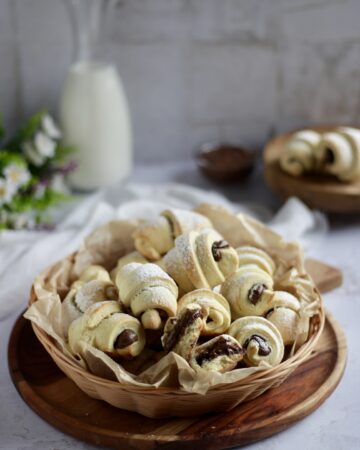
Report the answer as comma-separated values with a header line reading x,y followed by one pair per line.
x,y
223,157
172,228
178,330
77,307
329,157
111,293
163,314
255,292
221,347
264,348
125,338
217,247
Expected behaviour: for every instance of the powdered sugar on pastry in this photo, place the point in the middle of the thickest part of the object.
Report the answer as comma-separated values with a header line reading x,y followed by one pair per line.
x,y
149,292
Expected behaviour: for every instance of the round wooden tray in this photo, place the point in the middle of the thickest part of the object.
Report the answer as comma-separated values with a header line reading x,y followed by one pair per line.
x,y
317,191
61,403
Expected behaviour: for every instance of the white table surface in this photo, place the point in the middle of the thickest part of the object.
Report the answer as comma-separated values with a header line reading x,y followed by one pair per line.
x,y
334,426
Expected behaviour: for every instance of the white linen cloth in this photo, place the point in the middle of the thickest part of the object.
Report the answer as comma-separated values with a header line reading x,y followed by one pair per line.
x,y
23,254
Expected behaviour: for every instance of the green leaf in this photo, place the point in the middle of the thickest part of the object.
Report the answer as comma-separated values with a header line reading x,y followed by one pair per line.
x,y
7,158
28,202
62,153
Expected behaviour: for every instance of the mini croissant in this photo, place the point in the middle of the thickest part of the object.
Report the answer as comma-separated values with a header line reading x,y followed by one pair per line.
x,y
105,327
339,153
200,260
182,332
260,338
93,272
220,354
285,315
298,155
82,295
133,257
254,256
247,290
217,317
155,238
149,292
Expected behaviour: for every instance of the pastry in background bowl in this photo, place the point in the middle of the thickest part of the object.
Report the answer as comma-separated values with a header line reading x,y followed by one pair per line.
x,y
335,152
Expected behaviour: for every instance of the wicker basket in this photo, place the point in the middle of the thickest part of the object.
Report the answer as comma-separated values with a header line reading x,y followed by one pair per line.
x,y
166,402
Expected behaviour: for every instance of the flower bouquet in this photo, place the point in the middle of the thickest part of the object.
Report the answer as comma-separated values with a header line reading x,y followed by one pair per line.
x,y
33,166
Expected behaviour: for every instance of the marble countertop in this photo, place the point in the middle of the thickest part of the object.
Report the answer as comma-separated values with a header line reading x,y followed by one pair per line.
x,y
334,426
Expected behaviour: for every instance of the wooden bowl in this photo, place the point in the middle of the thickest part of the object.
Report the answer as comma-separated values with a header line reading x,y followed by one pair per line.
x,y
225,163
59,402
317,191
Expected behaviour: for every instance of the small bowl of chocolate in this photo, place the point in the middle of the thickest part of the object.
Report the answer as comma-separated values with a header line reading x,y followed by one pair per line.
x,y
225,162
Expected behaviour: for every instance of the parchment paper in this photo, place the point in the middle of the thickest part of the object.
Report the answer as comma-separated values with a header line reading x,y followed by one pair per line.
x,y
111,241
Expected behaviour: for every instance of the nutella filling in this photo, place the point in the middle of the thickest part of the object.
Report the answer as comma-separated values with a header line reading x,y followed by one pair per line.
x,y
329,157
111,293
125,338
264,348
163,314
178,330
172,228
77,307
217,247
255,292
221,347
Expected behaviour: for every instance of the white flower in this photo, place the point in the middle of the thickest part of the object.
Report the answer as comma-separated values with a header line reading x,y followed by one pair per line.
x,y
6,192
44,145
16,175
49,127
31,154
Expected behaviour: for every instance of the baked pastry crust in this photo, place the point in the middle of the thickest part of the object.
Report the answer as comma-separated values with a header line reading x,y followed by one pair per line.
x,y
246,291
253,256
286,316
220,354
338,153
335,152
217,310
93,286
200,260
148,292
298,156
181,333
260,338
154,238
135,257
105,327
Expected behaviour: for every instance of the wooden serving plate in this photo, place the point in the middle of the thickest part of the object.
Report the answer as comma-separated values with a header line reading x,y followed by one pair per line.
x,y
61,403
317,191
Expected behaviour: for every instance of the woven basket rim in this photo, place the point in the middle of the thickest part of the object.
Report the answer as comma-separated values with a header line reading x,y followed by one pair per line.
x,y
259,377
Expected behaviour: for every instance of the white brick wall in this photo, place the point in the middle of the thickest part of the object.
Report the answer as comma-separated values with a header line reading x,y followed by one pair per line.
x,y
10,88
196,70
